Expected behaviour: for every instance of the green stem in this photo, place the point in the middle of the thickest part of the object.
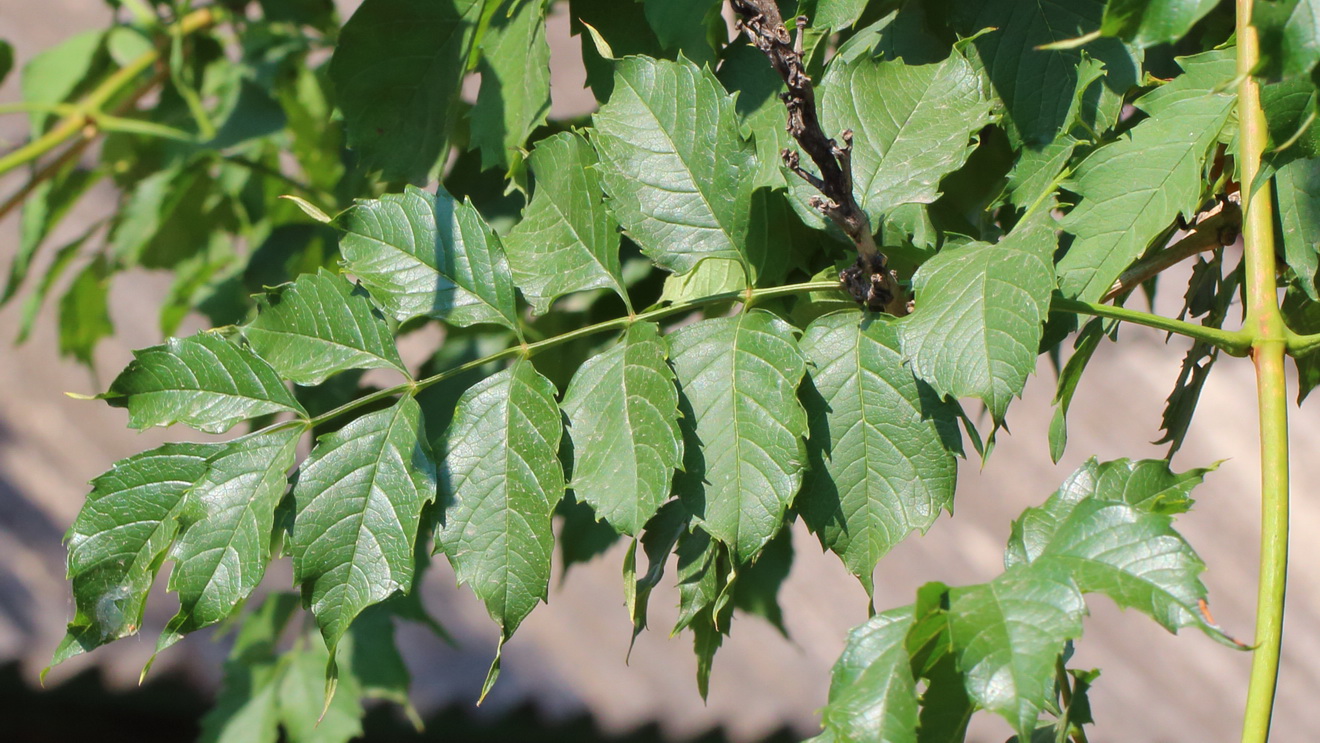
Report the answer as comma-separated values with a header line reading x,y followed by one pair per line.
x,y
1265,324
1232,342
82,118
618,323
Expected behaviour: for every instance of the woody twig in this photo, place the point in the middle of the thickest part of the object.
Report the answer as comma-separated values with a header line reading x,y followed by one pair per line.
x,y
869,280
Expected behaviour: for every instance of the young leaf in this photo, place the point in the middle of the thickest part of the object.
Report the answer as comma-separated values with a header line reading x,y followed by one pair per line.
x,y
745,454
1109,528
397,70
873,694
567,240
661,534
515,82
420,254
227,519
674,162
1087,341
203,381
318,326
1132,189
1147,23
501,479
622,409
119,539
980,310
358,500
914,124
879,463
705,580
1008,634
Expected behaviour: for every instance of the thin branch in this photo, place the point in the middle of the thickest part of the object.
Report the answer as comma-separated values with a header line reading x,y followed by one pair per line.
x,y
869,281
1218,227
1232,342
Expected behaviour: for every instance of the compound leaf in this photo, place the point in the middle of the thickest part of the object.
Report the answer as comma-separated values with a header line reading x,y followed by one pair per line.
x,y
501,480
879,464
227,519
120,538
1131,190
980,311
567,240
674,162
397,70
420,254
745,455
357,503
318,326
622,409
203,381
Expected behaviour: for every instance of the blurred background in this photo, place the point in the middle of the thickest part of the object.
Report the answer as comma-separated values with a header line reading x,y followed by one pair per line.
x,y
565,676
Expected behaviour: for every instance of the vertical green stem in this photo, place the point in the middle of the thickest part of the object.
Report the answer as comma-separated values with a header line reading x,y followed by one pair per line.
x,y
1265,323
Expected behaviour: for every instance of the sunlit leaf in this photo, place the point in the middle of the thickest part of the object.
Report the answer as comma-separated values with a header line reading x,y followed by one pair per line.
x,y
318,326
515,82
980,310
1150,22
674,163
567,240
622,409
879,463
422,254
873,694
745,454
358,500
203,381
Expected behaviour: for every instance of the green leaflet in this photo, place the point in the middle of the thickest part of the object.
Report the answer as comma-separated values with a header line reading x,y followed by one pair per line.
x,y
1088,340
674,163
912,124
501,479
515,82
705,606
624,25
203,381
622,409
836,14
6,59
662,532
980,310
396,70
318,326
567,240
880,467
1030,80
744,71
1297,189
1289,35
57,73
357,502
873,694
1007,635
1132,189
1150,22
1109,527
226,521
743,426
423,255
120,538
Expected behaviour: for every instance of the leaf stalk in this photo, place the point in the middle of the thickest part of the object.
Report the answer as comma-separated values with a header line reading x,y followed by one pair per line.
x,y
1231,342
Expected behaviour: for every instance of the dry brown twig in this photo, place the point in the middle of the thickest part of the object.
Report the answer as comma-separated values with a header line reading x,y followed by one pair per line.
x,y
869,280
